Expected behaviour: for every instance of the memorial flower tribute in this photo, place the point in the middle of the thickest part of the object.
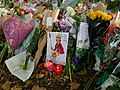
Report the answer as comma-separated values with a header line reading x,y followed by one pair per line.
x,y
64,37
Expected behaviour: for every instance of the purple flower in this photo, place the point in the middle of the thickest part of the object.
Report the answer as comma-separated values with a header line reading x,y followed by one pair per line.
x,y
76,62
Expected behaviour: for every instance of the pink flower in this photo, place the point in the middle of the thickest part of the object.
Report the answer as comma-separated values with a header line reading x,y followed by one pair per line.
x,y
102,67
25,8
63,24
16,4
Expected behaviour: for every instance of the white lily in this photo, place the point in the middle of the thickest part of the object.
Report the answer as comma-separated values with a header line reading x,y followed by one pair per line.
x,y
70,11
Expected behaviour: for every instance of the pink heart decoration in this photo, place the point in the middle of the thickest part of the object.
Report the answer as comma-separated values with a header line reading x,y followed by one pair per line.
x,y
16,31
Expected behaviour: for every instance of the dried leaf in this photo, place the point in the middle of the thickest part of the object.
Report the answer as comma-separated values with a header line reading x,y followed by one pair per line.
x,y
6,85
74,86
42,88
46,72
28,82
40,67
35,88
16,87
40,75
38,88
66,77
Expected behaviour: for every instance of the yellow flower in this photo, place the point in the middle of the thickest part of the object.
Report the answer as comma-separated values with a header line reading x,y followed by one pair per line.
x,y
93,15
18,10
99,14
108,17
104,16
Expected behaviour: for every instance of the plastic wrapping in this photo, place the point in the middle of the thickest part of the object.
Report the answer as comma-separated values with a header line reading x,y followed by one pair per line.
x,y
26,42
83,42
2,19
15,31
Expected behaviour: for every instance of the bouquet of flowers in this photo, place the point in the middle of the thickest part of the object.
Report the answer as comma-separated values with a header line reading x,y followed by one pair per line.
x,y
38,32
98,23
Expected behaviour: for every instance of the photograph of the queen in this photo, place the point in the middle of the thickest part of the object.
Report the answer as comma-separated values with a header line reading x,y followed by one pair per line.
x,y
57,47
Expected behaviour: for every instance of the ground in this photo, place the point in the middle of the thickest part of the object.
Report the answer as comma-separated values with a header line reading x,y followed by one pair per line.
x,y
41,79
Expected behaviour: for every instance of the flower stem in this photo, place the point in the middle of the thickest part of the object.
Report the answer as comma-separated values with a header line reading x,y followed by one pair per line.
x,y
69,63
94,78
2,54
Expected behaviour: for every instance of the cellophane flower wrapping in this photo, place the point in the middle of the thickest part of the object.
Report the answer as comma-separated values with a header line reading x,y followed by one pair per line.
x,y
16,31
27,40
82,40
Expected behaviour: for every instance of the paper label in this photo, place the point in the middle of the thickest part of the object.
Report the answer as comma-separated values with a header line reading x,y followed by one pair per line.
x,y
49,21
15,66
57,43
54,3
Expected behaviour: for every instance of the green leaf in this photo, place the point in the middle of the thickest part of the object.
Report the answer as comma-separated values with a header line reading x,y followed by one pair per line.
x,y
113,88
117,69
103,78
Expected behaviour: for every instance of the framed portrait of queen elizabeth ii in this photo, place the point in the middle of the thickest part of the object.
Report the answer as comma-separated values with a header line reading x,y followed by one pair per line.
x,y
57,43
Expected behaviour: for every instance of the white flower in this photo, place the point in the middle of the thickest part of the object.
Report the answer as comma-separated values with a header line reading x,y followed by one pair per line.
x,y
84,7
4,10
93,5
70,10
80,5
112,0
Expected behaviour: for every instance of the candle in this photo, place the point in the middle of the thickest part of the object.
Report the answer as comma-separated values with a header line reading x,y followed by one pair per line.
x,y
49,65
58,69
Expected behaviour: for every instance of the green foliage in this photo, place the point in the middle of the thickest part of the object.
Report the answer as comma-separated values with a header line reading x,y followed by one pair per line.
x,y
99,52
104,76
6,53
80,52
71,3
114,6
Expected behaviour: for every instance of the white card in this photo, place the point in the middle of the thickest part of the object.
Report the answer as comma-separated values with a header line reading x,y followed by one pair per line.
x,y
15,64
49,21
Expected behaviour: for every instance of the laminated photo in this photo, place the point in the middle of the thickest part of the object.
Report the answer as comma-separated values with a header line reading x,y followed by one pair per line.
x,y
57,43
